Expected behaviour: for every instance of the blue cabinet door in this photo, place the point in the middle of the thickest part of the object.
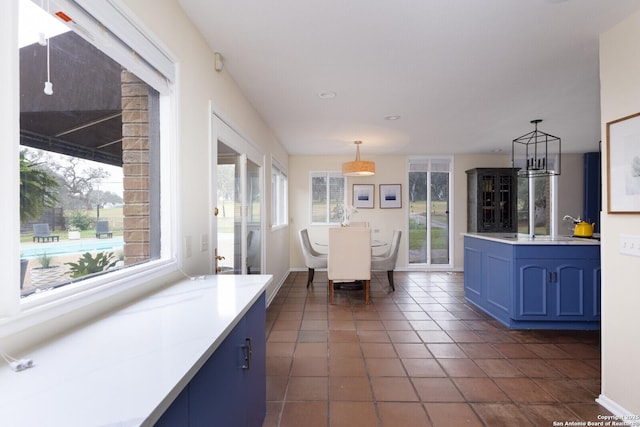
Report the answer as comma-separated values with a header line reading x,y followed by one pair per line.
x,y
569,289
597,293
215,391
557,290
531,300
178,413
254,386
487,276
473,271
230,388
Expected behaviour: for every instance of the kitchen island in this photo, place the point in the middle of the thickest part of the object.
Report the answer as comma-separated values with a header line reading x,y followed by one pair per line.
x,y
537,282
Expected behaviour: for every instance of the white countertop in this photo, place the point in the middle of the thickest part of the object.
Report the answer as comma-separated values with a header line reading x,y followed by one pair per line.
x,y
525,239
126,368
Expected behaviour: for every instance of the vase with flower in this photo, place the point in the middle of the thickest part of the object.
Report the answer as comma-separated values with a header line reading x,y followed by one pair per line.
x,y
348,211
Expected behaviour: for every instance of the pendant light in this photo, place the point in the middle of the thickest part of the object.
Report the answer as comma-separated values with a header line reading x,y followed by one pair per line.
x,y
536,153
358,167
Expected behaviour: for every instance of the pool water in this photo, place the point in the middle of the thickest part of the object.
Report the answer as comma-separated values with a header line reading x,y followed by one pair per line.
x,y
34,250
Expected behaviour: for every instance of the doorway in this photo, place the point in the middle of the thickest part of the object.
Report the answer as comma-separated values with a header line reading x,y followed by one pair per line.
x,y
429,206
237,221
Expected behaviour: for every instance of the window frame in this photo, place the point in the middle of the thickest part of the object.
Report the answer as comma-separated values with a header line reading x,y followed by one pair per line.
x,y
550,226
431,165
19,314
279,195
329,175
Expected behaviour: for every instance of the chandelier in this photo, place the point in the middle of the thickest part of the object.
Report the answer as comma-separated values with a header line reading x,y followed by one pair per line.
x,y
536,153
358,167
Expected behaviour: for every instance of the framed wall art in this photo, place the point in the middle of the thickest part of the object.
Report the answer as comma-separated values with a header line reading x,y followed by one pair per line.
x,y
363,196
623,165
390,196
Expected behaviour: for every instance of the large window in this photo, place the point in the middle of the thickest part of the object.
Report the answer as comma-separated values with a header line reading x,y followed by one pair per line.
x,y
91,146
327,197
279,194
536,200
537,203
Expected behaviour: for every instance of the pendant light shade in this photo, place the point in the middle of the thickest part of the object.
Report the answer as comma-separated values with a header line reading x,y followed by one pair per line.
x,y
536,153
358,167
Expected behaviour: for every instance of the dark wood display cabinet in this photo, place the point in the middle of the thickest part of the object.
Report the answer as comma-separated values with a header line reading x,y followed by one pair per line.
x,y
491,200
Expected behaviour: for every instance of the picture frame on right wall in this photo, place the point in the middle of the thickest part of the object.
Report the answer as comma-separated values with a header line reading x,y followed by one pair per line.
x,y
390,196
623,165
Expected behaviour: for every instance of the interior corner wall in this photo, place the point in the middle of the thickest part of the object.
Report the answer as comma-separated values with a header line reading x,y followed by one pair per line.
x,y
198,87
620,97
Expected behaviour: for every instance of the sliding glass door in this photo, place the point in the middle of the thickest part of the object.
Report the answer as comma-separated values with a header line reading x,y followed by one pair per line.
x,y
429,228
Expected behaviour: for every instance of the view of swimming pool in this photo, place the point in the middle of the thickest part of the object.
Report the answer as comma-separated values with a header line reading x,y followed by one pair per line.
x,y
34,250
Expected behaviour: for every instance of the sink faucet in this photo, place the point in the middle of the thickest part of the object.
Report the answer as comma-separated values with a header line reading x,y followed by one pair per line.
x,y
569,217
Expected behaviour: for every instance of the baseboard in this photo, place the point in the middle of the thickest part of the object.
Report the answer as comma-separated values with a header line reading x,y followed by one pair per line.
x,y
273,294
617,410
298,269
430,269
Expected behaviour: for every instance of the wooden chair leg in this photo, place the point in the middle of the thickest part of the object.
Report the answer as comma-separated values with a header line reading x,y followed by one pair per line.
x,y
330,291
310,276
366,291
390,276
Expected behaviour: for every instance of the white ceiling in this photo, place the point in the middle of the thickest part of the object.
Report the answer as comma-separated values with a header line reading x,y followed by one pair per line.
x,y
465,76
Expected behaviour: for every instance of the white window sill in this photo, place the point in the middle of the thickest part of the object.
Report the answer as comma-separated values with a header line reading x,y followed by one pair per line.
x,y
49,306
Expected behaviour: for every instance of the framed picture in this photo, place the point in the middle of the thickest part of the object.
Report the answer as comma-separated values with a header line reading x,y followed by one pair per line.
x,y
623,165
363,196
390,196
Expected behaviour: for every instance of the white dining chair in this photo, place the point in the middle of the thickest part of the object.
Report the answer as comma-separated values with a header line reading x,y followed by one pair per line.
x,y
349,257
387,261
312,258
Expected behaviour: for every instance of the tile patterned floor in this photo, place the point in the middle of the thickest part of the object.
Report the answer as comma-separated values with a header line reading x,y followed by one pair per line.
x,y
420,356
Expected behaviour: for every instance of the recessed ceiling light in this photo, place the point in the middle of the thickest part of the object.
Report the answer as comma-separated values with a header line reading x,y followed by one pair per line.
x,y
497,150
327,95
392,118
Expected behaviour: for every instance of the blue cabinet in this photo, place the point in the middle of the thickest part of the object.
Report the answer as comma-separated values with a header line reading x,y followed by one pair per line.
x,y
556,290
543,286
488,276
230,388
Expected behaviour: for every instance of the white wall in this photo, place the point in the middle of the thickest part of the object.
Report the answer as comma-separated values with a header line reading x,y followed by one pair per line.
x,y
620,97
389,170
199,85
393,170
570,191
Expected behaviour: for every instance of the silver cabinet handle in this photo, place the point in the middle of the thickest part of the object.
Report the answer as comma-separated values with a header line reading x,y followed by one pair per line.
x,y
248,353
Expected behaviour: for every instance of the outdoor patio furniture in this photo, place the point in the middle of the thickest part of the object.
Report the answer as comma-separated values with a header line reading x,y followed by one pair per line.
x,y
102,229
41,233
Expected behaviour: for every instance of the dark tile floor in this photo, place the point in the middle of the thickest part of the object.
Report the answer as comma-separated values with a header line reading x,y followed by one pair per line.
x,y
420,356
